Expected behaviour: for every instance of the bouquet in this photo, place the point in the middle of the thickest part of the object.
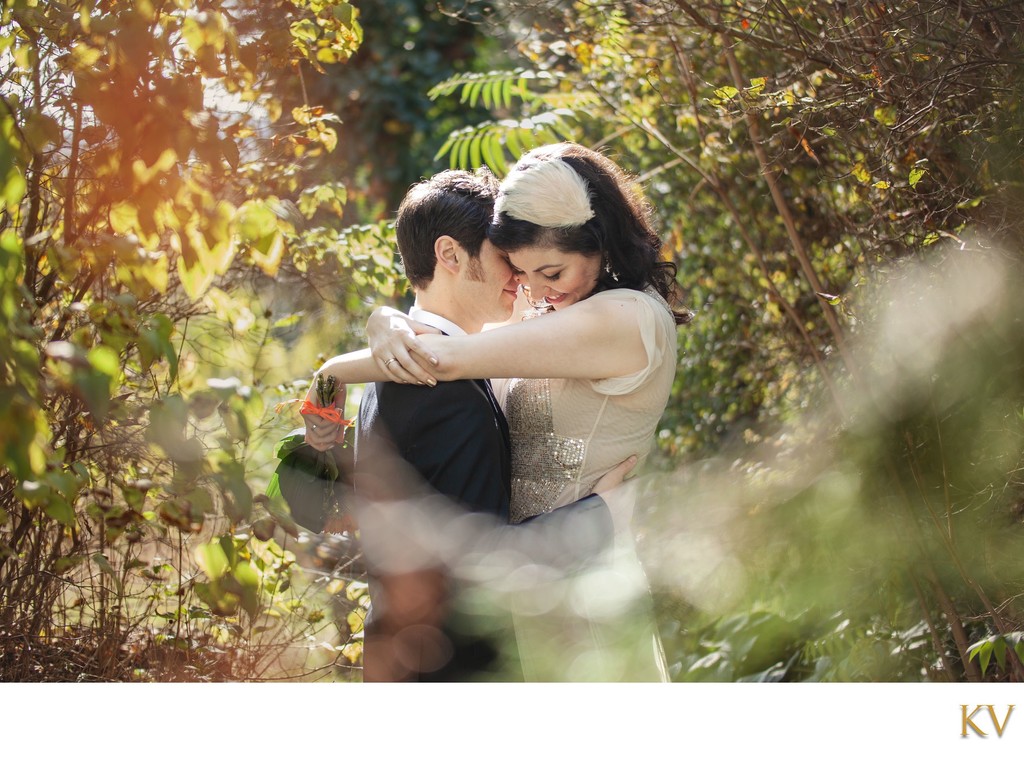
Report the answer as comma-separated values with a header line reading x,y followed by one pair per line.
x,y
308,480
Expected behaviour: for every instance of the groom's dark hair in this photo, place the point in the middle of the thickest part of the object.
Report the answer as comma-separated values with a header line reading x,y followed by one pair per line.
x,y
454,203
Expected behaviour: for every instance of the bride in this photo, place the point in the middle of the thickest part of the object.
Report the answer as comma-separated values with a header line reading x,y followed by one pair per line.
x,y
579,239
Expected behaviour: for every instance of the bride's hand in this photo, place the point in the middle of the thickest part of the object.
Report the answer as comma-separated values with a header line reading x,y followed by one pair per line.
x,y
397,350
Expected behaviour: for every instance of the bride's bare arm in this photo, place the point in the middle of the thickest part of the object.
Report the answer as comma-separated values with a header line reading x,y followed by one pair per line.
x,y
592,339
354,367
394,341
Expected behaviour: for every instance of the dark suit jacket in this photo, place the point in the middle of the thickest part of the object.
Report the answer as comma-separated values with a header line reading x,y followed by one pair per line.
x,y
455,441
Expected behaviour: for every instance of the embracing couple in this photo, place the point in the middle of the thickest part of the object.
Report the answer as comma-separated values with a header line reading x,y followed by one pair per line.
x,y
481,454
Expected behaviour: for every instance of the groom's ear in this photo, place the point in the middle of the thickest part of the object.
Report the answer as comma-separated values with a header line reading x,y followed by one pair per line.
x,y
449,253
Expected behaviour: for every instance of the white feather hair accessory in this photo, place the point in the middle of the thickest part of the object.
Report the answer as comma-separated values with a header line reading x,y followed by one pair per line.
x,y
548,193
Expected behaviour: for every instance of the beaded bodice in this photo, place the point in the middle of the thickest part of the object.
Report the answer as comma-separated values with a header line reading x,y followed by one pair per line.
x,y
567,433
543,463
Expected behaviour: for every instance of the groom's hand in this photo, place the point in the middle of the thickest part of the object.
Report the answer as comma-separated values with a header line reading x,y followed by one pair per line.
x,y
323,434
614,477
618,494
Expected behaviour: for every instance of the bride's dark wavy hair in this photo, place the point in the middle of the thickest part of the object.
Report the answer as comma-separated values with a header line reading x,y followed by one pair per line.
x,y
620,231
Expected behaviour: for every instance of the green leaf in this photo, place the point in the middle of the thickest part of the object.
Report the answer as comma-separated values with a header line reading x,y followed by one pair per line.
x,y
915,175
999,647
445,148
60,510
255,220
94,389
279,510
14,188
273,486
474,93
331,195
288,444
63,564
289,321
506,93
463,161
726,93
104,564
155,343
514,145
246,575
41,130
212,560
106,360
886,115
985,656
475,155
499,167
487,151
343,12
238,500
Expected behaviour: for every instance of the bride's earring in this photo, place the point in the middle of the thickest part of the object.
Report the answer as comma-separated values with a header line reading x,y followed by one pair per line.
x,y
609,271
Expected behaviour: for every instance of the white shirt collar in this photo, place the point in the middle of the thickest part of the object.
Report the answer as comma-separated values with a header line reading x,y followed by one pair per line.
x,y
429,318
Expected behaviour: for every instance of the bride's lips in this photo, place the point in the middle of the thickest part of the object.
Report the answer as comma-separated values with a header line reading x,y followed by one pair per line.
x,y
555,300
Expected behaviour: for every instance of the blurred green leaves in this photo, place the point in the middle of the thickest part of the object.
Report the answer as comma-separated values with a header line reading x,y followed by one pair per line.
x,y
152,160
997,646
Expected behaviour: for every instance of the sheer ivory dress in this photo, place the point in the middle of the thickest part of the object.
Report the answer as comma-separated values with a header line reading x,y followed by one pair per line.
x,y
597,625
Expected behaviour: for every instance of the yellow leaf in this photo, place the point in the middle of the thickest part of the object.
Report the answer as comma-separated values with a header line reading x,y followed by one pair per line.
x,y
145,174
355,620
353,651
124,218
195,279
83,56
13,189
329,139
154,271
270,261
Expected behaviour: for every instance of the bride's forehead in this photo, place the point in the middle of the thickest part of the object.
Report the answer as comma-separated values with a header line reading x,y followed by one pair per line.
x,y
539,252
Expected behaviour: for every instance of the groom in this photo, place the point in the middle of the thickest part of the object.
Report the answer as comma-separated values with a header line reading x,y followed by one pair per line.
x,y
415,443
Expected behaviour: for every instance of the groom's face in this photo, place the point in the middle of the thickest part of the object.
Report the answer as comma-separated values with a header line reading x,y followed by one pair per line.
x,y
488,286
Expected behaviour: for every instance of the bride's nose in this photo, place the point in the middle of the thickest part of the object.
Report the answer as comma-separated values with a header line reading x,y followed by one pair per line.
x,y
536,289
